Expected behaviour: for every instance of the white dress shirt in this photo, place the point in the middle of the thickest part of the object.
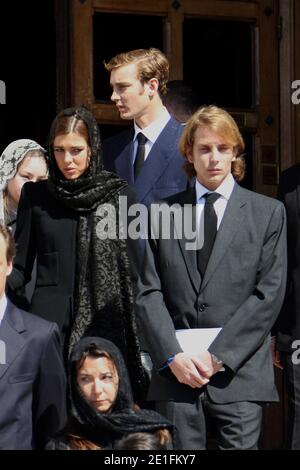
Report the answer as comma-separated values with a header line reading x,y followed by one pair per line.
x,y
3,305
152,132
225,189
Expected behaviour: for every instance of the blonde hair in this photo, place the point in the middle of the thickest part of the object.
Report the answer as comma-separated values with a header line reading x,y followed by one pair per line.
x,y
220,121
31,153
151,63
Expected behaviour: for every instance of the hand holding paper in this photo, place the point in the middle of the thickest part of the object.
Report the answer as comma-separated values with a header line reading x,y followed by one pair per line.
x,y
186,371
195,342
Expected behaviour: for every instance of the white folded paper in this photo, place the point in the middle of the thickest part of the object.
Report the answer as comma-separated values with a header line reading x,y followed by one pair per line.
x,y
196,340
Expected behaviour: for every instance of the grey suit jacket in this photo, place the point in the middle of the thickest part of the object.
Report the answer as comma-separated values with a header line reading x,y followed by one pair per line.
x,y
32,381
242,292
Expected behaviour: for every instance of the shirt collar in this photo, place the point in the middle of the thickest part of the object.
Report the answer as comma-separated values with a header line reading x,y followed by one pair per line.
x,y
3,305
225,188
154,129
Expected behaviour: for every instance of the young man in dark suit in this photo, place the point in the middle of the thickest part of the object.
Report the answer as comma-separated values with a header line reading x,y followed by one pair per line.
x,y
146,155
287,327
234,280
32,377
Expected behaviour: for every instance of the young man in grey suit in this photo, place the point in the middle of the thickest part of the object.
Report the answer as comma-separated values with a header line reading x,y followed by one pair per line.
x,y
234,281
146,155
32,377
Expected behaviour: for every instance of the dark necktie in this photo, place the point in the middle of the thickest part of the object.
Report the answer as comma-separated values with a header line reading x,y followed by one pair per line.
x,y
140,154
210,231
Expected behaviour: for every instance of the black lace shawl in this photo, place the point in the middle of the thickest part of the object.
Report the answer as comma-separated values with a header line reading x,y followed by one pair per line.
x,y
104,428
103,299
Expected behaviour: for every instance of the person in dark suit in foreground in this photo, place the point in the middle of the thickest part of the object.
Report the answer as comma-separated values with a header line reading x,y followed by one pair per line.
x,y
235,280
32,377
146,155
287,328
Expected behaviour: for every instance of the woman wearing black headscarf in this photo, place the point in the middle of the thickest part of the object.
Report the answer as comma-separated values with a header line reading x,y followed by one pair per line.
x,y
101,405
84,280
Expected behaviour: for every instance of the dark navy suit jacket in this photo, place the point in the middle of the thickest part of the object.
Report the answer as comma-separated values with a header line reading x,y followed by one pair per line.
x,y
32,380
162,174
288,325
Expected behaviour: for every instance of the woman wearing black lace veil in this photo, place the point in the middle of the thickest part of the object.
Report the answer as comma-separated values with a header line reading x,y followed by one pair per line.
x,y
101,405
84,282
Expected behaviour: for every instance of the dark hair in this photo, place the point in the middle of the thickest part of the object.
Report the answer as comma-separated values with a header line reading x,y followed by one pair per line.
x,y
9,241
140,441
93,351
77,442
181,100
63,124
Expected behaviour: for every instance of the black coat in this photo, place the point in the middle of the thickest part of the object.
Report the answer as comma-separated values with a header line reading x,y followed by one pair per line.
x,y
47,230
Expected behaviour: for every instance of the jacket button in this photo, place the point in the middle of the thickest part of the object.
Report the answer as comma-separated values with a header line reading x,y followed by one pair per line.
x,y
202,307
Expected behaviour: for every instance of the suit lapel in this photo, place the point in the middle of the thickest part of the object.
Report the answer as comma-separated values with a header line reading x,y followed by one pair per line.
x,y
230,225
158,159
12,341
189,256
123,163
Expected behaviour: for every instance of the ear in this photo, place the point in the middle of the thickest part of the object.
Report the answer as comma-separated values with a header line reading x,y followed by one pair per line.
x,y
9,268
189,155
152,86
